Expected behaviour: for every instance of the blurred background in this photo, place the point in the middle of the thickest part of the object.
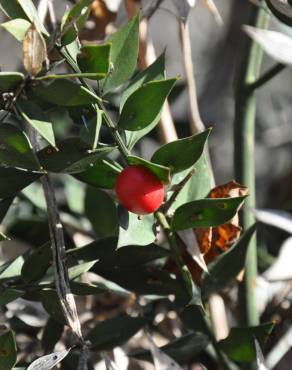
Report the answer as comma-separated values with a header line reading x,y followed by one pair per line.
x,y
216,49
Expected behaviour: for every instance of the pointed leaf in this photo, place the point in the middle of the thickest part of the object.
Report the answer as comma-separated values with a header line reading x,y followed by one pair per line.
x,y
14,180
51,335
240,346
35,117
10,80
276,44
72,156
94,59
15,149
74,20
4,207
190,150
37,264
227,266
12,269
181,350
65,93
145,104
197,187
161,360
10,295
101,211
8,351
162,172
24,9
123,54
49,361
206,212
98,249
114,332
52,305
102,175
131,256
17,27
134,230
156,71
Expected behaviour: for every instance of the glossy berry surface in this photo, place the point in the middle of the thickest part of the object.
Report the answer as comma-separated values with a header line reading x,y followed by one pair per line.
x,y
139,190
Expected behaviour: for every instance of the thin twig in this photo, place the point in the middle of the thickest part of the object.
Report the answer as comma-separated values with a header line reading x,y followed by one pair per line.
x,y
152,8
196,123
177,190
267,76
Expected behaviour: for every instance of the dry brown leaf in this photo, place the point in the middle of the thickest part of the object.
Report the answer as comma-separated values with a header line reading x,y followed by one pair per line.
x,y
34,51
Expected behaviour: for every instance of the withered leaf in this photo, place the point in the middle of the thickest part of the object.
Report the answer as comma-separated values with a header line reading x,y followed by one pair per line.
x,y
34,51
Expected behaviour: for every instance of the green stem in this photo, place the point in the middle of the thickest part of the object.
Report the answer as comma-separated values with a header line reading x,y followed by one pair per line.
x,y
244,131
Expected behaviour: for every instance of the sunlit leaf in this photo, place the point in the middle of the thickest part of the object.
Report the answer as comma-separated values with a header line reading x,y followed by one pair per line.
x,y
123,54
276,44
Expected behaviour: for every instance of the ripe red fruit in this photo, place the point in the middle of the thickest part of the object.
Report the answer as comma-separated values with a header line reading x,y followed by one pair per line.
x,y
139,190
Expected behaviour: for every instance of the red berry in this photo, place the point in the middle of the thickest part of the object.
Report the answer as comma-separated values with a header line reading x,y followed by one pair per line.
x,y
139,190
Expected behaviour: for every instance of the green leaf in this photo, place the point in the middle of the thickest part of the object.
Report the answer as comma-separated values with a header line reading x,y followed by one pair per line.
x,y
52,305
73,156
197,187
15,149
194,317
65,93
17,27
190,149
14,180
4,207
32,14
147,280
10,80
145,105
123,54
90,132
102,175
162,172
156,71
8,350
101,212
75,271
12,9
131,256
182,350
11,269
206,212
24,9
74,20
98,249
240,345
94,59
227,266
37,264
87,289
51,335
10,295
134,230
114,332
35,117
